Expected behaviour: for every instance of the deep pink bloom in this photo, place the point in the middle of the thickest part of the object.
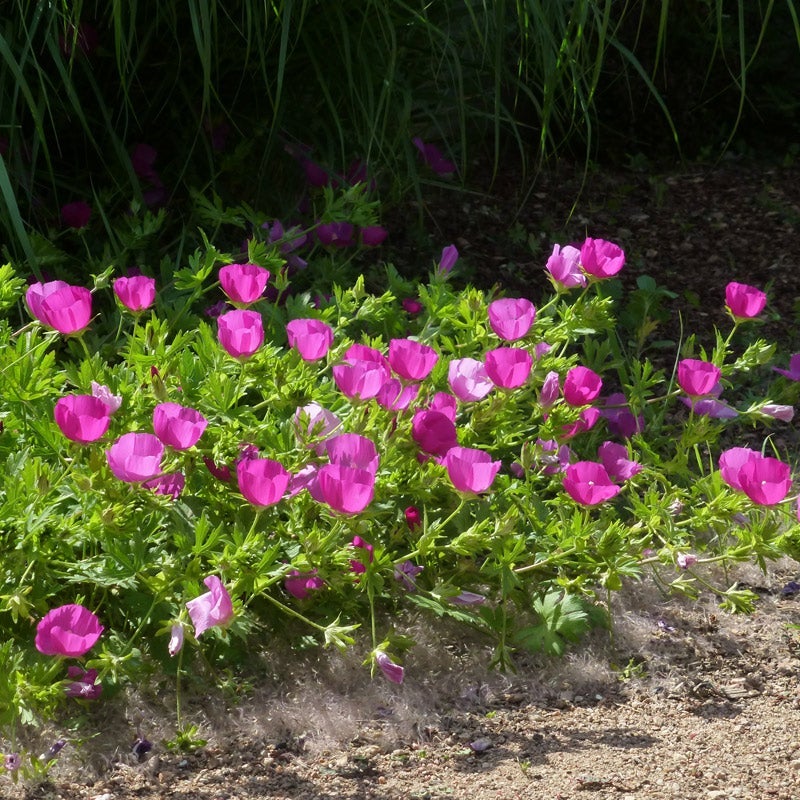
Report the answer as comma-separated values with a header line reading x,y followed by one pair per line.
x,y
69,631
766,481
793,373
221,473
311,337
448,259
76,215
697,378
550,391
83,684
240,333
586,420
413,518
470,470
373,235
135,457
306,478
262,481
313,424
581,386
541,349
212,609
731,461
363,372
393,672
135,293
335,234
743,301
60,306
178,426
82,417
434,157
143,160
588,483
508,367
411,306
601,259
243,283
511,317
346,489
353,450
301,584
171,484
621,420
564,267
434,432
111,401
615,459
468,379
362,544
394,396
412,361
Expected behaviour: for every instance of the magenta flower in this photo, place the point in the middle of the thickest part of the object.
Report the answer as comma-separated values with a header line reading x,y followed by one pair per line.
x,y
710,407
793,373
243,283
615,459
178,426
353,450
434,432
621,420
69,631
601,259
508,367
434,157
448,259
413,518
550,391
553,457
312,338
347,490
394,396
581,386
135,293
470,470
511,318
731,462
359,380
766,481
335,234
135,457
60,306
406,575
82,418
588,483
586,421
468,379
697,378
313,424
306,478
262,481
83,684
361,544
393,672
171,484
564,267
76,215
743,301
301,584
240,333
446,403
212,609
221,472
373,235
411,306
412,361
111,401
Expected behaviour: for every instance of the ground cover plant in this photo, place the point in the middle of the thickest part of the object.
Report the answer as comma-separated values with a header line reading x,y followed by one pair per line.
x,y
181,488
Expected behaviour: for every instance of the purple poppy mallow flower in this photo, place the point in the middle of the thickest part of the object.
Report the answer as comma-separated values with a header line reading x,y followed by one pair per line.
x,y
411,360
508,368
466,598
446,403
240,332
470,471
614,458
70,631
244,284
178,426
743,301
766,481
601,259
433,157
392,672
312,338
76,215
176,636
434,432
373,235
135,457
171,484
353,450
468,379
551,456
698,378
262,481
406,573
413,518
589,483
82,418
83,683
776,411
314,424
104,394
511,318
564,266
136,293
730,463
61,306
621,420
448,259
301,584
793,373
347,490
360,544
686,560
212,609
550,391
581,386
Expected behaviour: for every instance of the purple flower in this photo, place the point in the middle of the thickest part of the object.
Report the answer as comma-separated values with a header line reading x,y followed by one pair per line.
x,y
12,762
212,608
393,672
84,683
793,373
301,584
175,639
564,267
434,157
686,560
406,573
448,259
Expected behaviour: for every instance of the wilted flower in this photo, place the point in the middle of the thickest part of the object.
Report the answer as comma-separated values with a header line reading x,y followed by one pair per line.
x,y
466,598
394,396
615,459
359,543
550,391
353,450
586,420
335,234
320,423
783,413
373,235
406,573
171,484
84,684
12,762
214,608
686,560
393,672
69,631
621,420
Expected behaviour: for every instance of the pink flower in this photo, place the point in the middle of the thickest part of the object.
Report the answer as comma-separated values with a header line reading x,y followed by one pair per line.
x,y
783,413
262,481
406,575
446,403
621,421
588,483
686,560
413,518
564,267
553,457
178,426
697,378
468,379
347,490
175,639
212,609
434,157
793,373
361,544
313,424
766,481
615,459
301,584
240,333
306,478
243,283
84,683
311,337
511,318
82,418
353,450
412,361
434,432
411,306
393,672
550,391
135,457
69,631
373,235
586,421
60,306
731,461
394,396
448,259
470,470
111,401
508,367
710,407
335,234
601,259
362,374
581,386
135,293
171,484
221,473
76,215
743,301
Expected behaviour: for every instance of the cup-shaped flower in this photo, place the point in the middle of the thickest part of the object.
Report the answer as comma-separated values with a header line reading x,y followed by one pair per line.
x,y
82,417
743,301
697,378
793,373
413,518
550,391
412,361
335,234
312,338
581,386
170,484
565,268
411,306
178,426
511,317
446,403
470,470
212,609
508,367
434,432
360,380
588,483
731,462
135,457
60,306
586,421
244,284
102,392
766,481
83,683
393,672
313,424
136,293
468,379
373,235
301,584
353,450
69,631
262,481
240,332
601,259
615,459
347,490
394,396
448,259
76,215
